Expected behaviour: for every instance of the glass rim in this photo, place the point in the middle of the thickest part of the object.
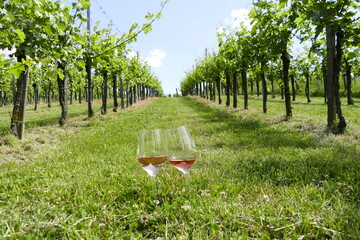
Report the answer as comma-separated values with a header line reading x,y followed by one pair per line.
x,y
151,130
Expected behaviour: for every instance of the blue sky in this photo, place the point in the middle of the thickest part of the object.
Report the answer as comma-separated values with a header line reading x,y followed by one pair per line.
x,y
178,38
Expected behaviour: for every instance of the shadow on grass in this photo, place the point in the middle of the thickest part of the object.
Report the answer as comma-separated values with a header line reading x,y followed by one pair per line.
x,y
52,120
41,121
45,116
249,132
282,156
309,103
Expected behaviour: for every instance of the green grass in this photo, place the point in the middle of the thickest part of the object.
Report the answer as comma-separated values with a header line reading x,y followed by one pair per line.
x,y
256,176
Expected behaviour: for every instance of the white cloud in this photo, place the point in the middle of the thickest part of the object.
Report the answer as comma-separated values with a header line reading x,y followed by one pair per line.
x,y
156,57
240,16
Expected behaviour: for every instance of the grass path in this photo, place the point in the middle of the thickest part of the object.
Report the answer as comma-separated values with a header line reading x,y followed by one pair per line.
x,y
251,180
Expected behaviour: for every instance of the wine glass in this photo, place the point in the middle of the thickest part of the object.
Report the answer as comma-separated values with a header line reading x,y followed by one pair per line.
x,y
181,148
151,152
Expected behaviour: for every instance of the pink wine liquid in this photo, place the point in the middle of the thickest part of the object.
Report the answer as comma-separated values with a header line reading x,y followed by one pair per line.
x,y
183,164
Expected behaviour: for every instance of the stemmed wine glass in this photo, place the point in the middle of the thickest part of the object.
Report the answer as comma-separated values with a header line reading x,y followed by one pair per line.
x,y
181,148
151,152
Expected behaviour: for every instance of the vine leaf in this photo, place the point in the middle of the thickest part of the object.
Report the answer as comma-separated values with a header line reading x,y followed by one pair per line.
x,y
17,69
20,34
85,4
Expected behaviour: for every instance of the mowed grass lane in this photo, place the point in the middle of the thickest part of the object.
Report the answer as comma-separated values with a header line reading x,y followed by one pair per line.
x,y
251,180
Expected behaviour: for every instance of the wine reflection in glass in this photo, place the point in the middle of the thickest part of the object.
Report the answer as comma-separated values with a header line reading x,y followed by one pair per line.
x,y
151,152
181,148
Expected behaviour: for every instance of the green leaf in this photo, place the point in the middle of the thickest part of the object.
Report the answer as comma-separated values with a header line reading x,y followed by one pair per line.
x,y
4,34
85,4
351,55
10,16
20,34
60,73
353,4
133,27
147,28
282,4
17,69
47,29
80,40
61,26
149,16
